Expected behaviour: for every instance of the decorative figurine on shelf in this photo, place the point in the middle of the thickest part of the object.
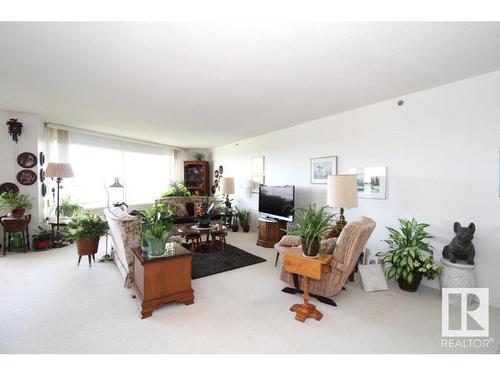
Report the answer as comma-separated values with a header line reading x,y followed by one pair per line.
x,y
15,128
461,247
203,212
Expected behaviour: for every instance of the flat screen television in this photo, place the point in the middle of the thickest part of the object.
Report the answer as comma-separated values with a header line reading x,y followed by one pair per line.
x,y
277,201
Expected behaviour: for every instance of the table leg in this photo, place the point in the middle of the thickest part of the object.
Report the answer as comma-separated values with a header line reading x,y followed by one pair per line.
x,y
306,310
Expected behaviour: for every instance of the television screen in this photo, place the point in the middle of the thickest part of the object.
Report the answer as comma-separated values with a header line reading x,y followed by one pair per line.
x,y
277,201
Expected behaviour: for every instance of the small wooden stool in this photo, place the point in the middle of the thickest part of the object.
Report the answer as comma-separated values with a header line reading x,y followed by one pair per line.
x,y
195,239
221,236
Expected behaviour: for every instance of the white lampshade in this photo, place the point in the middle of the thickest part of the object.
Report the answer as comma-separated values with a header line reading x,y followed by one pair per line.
x,y
342,191
227,185
60,170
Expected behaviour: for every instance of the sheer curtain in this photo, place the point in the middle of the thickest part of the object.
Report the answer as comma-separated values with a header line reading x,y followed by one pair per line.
x,y
144,170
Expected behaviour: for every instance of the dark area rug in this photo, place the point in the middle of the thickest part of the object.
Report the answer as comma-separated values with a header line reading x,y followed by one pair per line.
x,y
206,263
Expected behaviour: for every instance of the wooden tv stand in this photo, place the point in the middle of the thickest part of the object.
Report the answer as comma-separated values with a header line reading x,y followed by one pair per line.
x,y
270,232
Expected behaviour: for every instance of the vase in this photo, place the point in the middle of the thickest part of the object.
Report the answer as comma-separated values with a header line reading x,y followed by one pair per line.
x,y
310,250
156,247
410,287
204,222
18,213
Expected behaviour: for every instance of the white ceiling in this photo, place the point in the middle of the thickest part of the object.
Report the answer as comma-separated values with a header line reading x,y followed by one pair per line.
x,y
201,85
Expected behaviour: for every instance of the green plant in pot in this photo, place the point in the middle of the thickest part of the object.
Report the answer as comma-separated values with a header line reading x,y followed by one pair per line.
x,y
176,189
68,208
16,203
156,229
86,229
244,219
409,257
311,224
43,238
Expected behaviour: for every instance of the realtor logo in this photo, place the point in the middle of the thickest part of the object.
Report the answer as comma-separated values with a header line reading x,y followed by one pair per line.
x,y
472,319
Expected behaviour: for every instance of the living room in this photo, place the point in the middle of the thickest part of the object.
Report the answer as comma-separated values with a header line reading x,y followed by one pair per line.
x,y
259,188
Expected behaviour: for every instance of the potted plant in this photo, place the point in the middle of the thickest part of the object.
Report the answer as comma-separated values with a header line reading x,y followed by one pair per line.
x,y
155,229
234,221
176,189
68,209
86,229
410,258
43,238
16,203
311,224
122,205
204,212
244,219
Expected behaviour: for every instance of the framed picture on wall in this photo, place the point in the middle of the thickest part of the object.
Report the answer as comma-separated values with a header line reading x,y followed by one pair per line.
x,y
371,182
323,167
256,181
258,165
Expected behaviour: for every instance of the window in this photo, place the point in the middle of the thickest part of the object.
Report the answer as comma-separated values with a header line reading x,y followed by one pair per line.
x,y
144,171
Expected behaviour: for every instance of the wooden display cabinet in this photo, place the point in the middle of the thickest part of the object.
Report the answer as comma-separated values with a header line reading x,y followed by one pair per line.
x,y
196,176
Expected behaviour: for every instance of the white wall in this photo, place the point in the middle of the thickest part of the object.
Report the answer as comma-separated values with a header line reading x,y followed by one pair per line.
x,y
441,149
29,141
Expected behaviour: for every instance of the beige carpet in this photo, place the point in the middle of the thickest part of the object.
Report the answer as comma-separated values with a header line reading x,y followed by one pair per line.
x,y
49,305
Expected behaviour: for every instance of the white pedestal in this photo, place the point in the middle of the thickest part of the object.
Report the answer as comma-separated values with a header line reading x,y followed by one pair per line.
x,y
457,275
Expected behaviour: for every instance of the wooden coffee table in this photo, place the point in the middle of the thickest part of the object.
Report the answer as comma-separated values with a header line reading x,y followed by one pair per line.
x,y
188,231
312,268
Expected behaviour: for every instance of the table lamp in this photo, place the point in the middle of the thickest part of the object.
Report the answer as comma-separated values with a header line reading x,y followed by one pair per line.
x,y
227,187
58,171
342,193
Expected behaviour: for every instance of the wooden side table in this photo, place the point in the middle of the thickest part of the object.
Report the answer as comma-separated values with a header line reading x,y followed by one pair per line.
x,y
163,279
312,268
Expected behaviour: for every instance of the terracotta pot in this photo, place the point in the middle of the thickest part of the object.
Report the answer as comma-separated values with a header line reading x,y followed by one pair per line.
x,y
246,228
42,245
235,227
18,212
87,245
410,287
313,249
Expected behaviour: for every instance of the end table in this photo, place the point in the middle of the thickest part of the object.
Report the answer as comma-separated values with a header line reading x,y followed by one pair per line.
x,y
296,263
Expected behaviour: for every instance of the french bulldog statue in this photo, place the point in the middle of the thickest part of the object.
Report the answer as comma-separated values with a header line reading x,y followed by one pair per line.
x,y
461,247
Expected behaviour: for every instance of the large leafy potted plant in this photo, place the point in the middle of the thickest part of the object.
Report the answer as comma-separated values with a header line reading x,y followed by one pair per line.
x,y
244,218
43,238
410,258
204,212
176,189
68,209
86,229
311,224
156,229
16,203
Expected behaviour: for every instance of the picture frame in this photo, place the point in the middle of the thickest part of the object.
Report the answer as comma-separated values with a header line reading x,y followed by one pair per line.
x,y
258,165
256,181
321,168
371,182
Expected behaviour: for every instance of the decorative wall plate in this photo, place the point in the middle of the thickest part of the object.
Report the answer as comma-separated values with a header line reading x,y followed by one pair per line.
x,y
26,177
44,190
27,160
42,175
9,187
42,158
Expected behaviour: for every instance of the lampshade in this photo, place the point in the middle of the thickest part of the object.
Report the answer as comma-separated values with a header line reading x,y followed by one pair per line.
x,y
342,191
116,184
227,185
60,170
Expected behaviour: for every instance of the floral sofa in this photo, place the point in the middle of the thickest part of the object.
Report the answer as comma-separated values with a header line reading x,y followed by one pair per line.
x,y
125,232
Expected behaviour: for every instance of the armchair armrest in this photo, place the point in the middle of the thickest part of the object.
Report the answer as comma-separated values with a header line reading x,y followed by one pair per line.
x,y
290,241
